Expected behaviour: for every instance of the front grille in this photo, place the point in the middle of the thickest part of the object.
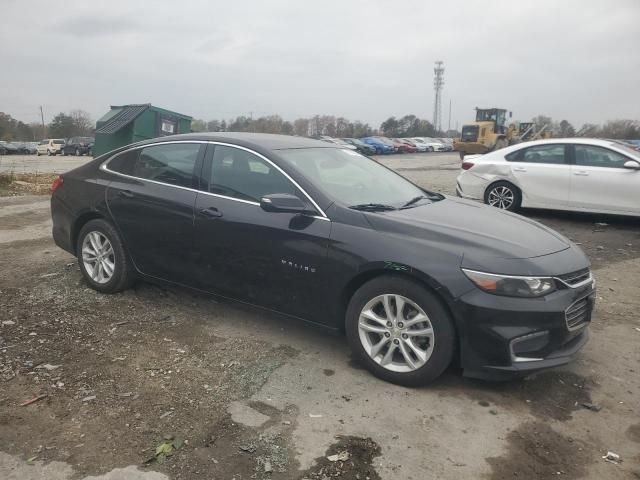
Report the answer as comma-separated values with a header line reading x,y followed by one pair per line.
x,y
579,313
575,278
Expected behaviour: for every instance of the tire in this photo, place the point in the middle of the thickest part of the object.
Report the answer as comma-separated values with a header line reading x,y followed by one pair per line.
x,y
122,276
37,153
77,152
440,347
49,153
503,195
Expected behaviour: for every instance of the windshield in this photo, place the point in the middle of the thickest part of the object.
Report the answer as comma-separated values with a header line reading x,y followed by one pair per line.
x,y
629,148
352,179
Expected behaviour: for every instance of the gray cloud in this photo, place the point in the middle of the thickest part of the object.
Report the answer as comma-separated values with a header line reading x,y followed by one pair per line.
x,y
362,59
92,26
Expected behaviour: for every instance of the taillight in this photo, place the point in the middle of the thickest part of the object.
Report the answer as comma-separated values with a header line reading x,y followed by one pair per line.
x,y
466,165
57,183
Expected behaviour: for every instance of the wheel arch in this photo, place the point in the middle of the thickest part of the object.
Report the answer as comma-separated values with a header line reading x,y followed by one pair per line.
x,y
80,222
501,180
411,274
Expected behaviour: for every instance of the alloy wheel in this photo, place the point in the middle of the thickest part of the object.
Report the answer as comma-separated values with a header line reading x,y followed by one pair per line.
x,y
396,333
98,257
501,197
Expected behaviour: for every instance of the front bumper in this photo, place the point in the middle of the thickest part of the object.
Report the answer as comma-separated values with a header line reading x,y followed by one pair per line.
x,y
506,337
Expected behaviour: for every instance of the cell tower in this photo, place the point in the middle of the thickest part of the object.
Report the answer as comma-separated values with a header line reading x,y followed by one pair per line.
x,y
438,83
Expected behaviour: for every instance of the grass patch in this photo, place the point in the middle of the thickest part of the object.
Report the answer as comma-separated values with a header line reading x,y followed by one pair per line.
x,y
12,184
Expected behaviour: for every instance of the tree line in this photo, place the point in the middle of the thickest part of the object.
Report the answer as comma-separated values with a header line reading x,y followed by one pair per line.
x,y
63,125
79,123
306,127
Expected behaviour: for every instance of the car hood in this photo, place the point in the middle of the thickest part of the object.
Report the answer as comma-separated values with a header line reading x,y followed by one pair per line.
x,y
474,231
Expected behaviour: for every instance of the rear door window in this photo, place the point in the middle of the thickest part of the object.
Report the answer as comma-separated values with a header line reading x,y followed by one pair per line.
x,y
125,162
545,154
592,156
172,163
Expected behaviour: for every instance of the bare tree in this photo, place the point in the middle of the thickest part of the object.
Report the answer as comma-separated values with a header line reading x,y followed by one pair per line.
x,y
82,122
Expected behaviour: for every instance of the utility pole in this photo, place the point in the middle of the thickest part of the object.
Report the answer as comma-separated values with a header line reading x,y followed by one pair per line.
x,y
438,83
449,127
44,133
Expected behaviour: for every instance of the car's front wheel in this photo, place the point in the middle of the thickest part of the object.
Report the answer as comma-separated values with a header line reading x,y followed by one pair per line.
x,y
400,331
102,257
503,195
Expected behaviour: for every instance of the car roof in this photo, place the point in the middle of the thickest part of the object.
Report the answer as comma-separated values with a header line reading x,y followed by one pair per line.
x,y
602,142
256,141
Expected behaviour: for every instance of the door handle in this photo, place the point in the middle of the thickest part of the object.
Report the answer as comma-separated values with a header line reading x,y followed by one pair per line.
x,y
581,173
519,169
211,212
125,193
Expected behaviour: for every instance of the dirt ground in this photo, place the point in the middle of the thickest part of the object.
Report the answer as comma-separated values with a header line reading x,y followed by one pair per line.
x,y
162,383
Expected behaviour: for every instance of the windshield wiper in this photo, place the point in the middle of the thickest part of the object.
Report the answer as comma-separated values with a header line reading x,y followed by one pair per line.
x,y
415,200
372,207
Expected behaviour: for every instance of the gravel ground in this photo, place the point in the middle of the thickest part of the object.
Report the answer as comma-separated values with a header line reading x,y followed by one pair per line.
x,y
230,392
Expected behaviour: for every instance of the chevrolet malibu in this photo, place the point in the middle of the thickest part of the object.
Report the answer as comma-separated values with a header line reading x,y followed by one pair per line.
x,y
319,233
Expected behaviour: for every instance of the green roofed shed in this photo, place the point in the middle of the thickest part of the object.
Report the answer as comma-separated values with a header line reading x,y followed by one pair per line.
x,y
126,124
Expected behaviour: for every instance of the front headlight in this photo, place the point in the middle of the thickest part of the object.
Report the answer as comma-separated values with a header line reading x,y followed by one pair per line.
x,y
512,286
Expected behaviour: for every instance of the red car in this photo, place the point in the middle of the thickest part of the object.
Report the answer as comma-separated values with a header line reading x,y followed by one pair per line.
x,y
404,146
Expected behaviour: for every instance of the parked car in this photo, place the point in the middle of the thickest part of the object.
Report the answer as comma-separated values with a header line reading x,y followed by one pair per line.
x,y
8,148
437,146
51,146
388,141
446,142
403,146
77,146
577,174
27,148
361,146
381,147
337,141
414,146
422,143
308,229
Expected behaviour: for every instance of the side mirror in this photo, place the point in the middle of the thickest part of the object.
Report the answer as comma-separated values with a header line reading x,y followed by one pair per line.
x,y
632,164
282,203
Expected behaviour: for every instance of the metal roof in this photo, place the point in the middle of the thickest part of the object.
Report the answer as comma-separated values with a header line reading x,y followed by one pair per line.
x,y
123,118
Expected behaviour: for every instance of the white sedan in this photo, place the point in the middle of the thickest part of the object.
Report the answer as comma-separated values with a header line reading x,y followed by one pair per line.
x,y
579,174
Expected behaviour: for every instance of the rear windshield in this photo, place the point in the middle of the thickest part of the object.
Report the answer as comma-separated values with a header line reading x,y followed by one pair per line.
x,y
58,142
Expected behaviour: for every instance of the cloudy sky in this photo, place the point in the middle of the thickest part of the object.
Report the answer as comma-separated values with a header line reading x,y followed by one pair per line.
x,y
362,59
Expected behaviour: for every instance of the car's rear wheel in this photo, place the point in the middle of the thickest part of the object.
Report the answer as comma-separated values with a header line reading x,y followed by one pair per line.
x,y
102,257
400,331
503,195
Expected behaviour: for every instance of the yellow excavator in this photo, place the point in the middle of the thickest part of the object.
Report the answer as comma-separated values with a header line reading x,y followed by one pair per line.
x,y
490,132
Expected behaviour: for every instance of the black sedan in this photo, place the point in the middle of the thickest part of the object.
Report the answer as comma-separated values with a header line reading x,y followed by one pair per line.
x,y
415,279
